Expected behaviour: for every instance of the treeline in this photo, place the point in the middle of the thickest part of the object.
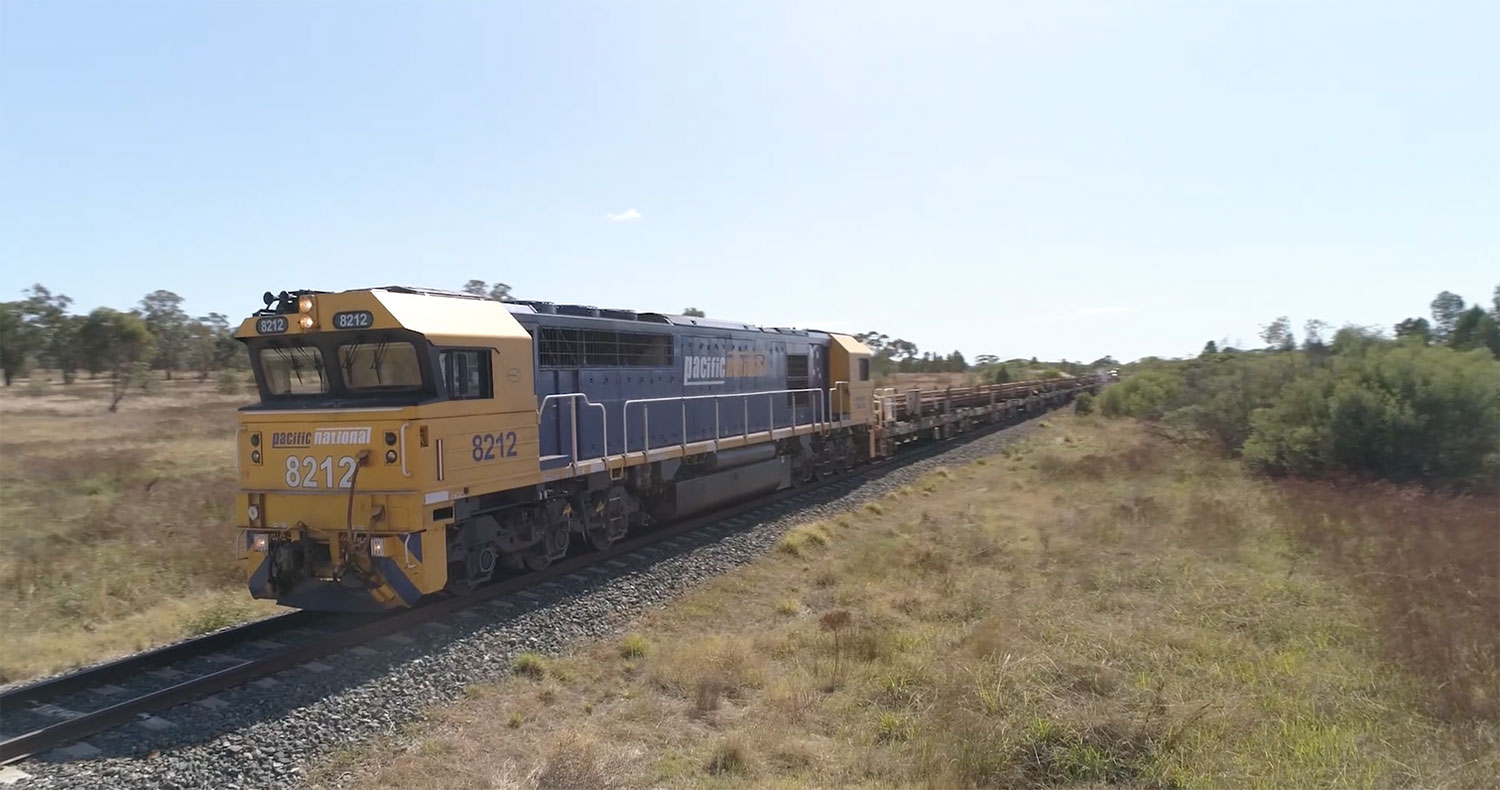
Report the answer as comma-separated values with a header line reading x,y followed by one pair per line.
x,y
39,332
894,355
1420,404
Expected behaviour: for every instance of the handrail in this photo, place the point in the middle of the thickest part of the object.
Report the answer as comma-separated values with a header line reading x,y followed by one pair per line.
x,y
819,418
404,472
572,398
837,385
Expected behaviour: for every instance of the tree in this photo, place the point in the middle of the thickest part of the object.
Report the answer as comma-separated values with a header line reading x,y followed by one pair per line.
x,y
63,347
903,349
985,360
94,341
169,326
1475,329
1312,333
877,341
1278,334
16,341
207,350
499,292
955,363
1209,349
1105,361
129,346
1002,375
53,333
694,312
1416,328
1446,309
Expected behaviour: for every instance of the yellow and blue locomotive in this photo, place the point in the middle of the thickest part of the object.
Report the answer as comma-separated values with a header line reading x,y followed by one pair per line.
x,y
410,441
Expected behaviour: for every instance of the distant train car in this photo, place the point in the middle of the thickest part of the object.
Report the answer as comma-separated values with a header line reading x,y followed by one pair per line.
x,y
409,441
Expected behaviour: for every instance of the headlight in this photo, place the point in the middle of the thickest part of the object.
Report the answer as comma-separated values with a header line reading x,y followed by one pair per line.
x,y
254,512
304,304
259,541
377,546
306,322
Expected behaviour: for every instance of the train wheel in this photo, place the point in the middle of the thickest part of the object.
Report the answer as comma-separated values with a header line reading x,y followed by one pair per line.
x,y
598,538
535,558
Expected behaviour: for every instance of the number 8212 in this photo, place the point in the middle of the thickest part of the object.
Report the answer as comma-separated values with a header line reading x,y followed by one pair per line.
x,y
489,445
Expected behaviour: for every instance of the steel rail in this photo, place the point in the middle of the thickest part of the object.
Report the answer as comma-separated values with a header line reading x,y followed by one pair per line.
x,y
69,730
100,674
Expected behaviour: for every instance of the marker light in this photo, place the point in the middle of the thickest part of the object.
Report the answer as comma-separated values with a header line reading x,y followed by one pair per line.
x,y
377,546
306,322
255,440
254,456
253,512
304,304
390,456
259,541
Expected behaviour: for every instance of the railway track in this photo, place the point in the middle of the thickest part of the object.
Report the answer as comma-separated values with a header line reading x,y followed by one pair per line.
x,y
53,713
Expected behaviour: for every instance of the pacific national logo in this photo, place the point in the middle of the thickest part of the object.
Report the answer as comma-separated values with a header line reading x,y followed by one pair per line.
x,y
716,369
320,436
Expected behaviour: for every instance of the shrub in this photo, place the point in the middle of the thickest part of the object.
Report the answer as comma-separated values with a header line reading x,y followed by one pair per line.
x,y
227,382
800,539
1083,404
1403,413
37,386
634,646
148,381
531,665
729,757
1149,394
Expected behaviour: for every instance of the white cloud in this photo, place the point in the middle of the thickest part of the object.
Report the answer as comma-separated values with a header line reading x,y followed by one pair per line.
x,y
629,215
1085,312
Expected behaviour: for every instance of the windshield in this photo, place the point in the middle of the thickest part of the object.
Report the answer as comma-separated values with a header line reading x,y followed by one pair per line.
x,y
380,365
293,370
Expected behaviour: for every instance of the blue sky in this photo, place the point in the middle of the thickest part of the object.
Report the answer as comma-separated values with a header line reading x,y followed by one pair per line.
x,y
1059,179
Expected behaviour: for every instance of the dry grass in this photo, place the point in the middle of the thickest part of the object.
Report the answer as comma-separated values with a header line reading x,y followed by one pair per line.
x,y
113,527
1091,609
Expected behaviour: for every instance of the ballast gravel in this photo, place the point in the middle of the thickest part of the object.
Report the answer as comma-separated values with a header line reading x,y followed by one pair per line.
x,y
268,732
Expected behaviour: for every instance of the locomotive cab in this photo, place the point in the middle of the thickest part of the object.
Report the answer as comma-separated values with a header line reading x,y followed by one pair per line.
x,y
377,409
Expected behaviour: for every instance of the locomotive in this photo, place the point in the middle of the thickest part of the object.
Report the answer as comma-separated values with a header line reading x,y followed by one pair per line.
x,y
409,442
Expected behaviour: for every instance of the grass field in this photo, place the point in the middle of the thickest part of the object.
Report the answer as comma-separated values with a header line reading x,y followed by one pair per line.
x,y
1092,608
114,528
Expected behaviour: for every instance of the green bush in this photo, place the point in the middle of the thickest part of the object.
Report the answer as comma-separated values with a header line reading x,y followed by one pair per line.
x,y
145,378
1400,412
1149,394
1366,405
227,382
1083,404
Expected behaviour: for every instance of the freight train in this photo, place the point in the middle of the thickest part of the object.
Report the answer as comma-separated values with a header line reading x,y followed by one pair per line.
x,y
410,442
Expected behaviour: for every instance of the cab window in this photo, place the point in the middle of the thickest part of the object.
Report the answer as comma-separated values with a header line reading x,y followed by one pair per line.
x,y
293,370
864,369
466,373
380,365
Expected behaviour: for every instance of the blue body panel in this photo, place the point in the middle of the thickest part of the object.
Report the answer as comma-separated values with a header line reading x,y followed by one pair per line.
x,y
705,360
